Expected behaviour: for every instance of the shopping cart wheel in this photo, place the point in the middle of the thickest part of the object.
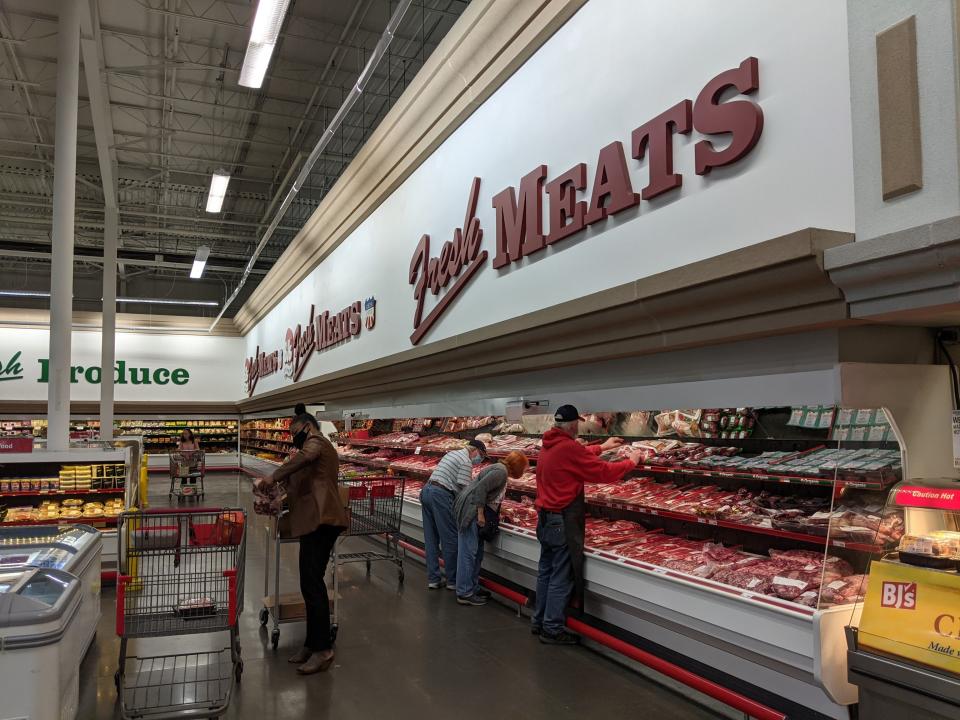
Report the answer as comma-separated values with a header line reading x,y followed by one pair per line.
x,y
275,638
368,567
116,680
238,670
400,576
264,617
333,633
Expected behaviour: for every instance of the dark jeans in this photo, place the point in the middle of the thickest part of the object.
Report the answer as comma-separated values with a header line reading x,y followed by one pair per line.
x,y
469,558
439,532
554,574
315,550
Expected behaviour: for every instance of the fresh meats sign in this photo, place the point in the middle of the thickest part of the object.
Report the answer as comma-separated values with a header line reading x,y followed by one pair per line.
x,y
321,332
572,205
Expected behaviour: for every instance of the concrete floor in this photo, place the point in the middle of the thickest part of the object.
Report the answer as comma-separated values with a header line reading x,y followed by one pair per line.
x,y
401,653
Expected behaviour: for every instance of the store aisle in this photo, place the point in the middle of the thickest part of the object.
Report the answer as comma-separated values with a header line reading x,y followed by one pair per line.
x,y
408,653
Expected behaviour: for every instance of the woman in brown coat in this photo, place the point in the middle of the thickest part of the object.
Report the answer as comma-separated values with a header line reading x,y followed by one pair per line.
x,y
317,516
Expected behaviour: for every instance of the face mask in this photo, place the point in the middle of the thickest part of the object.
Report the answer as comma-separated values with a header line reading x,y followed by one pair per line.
x,y
300,438
476,460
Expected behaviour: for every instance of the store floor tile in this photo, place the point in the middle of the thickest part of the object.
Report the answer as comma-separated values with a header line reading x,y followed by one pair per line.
x,y
402,653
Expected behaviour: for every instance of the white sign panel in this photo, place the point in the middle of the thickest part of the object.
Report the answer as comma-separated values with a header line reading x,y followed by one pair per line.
x,y
592,114
165,368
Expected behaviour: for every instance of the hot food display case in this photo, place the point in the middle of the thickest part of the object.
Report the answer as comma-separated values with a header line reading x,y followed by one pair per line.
x,y
904,647
739,546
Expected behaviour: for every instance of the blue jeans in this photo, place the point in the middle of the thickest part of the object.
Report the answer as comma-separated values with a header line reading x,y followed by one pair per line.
x,y
554,574
469,557
439,532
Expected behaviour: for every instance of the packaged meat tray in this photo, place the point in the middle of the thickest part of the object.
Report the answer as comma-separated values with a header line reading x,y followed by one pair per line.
x,y
939,549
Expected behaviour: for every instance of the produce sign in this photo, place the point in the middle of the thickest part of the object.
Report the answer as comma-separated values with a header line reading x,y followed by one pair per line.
x,y
913,612
737,123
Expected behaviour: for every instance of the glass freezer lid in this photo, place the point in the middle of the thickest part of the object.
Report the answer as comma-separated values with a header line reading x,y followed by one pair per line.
x,y
34,596
53,557
71,538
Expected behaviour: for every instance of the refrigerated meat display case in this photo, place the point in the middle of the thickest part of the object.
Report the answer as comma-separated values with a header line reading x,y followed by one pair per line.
x,y
41,635
738,547
75,549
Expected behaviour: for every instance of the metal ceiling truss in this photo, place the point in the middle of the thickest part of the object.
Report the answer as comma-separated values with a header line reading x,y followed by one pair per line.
x,y
161,110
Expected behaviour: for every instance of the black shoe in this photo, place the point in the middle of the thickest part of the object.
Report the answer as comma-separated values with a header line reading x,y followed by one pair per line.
x,y
561,638
471,600
535,629
483,592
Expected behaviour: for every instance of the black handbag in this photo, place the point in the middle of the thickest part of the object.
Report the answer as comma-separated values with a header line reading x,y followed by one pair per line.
x,y
491,524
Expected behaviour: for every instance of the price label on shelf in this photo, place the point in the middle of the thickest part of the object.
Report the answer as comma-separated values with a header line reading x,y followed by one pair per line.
x,y
701,520
659,570
839,543
652,511
417,451
956,438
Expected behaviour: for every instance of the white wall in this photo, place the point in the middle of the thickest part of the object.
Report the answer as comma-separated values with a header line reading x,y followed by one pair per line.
x,y
940,196
615,65
213,363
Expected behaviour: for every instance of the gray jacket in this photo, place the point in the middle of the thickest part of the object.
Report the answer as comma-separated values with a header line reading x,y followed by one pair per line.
x,y
485,490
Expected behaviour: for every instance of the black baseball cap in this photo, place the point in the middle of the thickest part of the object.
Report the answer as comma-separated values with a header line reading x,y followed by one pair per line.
x,y
566,413
479,446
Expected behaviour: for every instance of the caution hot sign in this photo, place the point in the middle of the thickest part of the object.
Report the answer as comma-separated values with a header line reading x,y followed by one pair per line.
x,y
913,612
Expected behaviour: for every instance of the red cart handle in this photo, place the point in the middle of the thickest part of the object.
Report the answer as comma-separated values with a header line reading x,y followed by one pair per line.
x,y
122,581
231,576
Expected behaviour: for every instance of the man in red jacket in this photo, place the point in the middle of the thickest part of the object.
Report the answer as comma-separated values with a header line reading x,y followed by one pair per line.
x,y
563,466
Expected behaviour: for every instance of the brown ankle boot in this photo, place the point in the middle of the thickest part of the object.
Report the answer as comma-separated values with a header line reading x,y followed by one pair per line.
x,y
317,663
303,654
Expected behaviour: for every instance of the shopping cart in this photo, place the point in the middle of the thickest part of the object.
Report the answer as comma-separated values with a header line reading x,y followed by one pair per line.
x,y
181,574
374,505
187,470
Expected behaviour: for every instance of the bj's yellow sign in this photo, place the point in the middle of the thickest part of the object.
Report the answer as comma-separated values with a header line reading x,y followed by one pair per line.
x,y
913,612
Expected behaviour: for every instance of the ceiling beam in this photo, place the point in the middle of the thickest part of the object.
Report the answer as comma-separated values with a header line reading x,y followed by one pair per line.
x,y
127,260
99,93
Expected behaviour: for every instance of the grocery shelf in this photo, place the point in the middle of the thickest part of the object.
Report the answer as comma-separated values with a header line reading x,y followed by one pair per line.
x,y
425,450
77,455
248,438
765,477
822,541
53,493
781,478
99,521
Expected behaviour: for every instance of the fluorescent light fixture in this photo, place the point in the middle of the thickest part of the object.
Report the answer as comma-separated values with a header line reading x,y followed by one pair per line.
x,y
263,38
165,301
199,261
24,293
218,190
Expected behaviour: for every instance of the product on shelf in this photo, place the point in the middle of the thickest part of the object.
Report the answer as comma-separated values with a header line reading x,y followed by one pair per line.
x,y
443,444
459,424
936,549
507,442
397,438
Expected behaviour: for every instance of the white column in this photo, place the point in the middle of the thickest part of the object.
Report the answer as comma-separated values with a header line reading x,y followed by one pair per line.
x,y
64,199
109,325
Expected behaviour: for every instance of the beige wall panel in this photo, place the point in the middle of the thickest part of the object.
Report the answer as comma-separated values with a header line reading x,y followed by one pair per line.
x,y
898,95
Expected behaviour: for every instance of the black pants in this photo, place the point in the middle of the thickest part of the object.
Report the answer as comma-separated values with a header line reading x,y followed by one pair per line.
x,y
315,550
